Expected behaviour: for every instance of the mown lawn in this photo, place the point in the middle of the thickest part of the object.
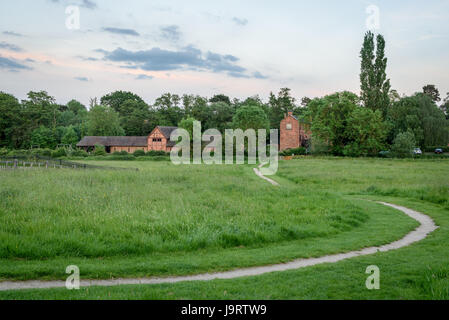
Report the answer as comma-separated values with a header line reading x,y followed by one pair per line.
x,y
237,220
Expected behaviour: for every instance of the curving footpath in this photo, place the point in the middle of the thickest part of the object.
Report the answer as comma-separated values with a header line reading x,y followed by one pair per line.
x,y
427,225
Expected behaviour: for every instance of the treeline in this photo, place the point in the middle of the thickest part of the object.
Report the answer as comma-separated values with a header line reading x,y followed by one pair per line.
x,y
39,122
342,123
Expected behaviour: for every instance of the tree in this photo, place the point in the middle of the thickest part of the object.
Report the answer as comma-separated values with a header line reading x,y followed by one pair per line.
x,y
220,117
279,106
445,106
70,137
421,116
250,117
104,121
330,116
76,107
375,87
432,91
116,99
403,144
11,121
43,137
367,132
220,98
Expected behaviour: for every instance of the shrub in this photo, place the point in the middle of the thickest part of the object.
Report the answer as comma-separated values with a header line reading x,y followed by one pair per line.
x,y
120,153
99,150
3,152
61,152
128,157
139,153
296,151
403,144
153,153
41,152
79,153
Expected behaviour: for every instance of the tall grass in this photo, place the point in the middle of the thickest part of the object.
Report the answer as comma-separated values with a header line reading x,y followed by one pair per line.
x,y
162,208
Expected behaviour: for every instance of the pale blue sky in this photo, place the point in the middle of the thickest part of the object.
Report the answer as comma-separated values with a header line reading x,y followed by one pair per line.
x,y
239,48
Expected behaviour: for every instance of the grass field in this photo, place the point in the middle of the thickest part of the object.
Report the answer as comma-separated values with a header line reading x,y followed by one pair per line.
x,y
167,220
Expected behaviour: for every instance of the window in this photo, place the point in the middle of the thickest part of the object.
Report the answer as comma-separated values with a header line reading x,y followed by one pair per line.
x,y
157,140
289,126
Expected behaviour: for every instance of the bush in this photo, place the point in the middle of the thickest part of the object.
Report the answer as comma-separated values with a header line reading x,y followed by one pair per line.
x,y
139,153
153,153
296,151
42,152
3,152
79,153
128,157
403,144
99,150
61,152
120,153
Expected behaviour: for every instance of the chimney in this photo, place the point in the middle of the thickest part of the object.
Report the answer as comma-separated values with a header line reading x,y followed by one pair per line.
x,y
290,113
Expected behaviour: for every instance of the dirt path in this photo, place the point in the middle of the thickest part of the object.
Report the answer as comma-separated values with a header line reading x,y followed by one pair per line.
x,y
427,226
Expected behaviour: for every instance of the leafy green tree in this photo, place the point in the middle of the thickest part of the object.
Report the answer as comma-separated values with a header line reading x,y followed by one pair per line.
x,y
76,107
220,117
279,106
43,137
432,91
168,109
187,124
367,132
70,137
403,144
421,116
251,117
11,121
220,98
104,121
330,116
116,100
375,87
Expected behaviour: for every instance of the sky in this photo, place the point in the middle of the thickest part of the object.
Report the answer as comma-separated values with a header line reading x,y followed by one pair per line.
x,y
81,49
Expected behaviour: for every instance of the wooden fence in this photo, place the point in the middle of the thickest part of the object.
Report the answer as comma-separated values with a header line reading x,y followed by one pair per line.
x,y
39,162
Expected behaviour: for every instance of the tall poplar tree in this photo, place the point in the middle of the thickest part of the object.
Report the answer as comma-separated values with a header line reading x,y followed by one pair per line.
x,y
375,87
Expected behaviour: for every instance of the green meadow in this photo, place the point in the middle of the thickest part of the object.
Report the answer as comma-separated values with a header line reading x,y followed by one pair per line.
x,y
177,220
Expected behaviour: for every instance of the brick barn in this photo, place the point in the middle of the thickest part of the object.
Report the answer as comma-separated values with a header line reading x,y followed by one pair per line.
x,y
293,133
157,140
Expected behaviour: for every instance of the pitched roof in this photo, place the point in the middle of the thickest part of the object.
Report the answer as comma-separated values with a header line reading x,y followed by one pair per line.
x,y
166,131
113,141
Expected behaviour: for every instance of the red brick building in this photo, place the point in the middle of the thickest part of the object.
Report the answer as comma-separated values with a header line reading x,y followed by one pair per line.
x,y
157,140
293,134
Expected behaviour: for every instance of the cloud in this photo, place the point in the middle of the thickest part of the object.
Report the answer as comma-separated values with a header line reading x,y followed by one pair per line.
x,y
240,21
126,32
84,79
188,58
12,64
88,4
87,58
10,47
144,77
258,75
12,33
171,33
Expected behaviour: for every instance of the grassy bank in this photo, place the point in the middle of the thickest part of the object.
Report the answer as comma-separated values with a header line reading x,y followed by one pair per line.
x,y
314,194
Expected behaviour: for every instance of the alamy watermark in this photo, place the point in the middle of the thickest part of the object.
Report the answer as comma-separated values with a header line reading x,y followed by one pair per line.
x,y
72,21
73,280
373,281
373,19
255,145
